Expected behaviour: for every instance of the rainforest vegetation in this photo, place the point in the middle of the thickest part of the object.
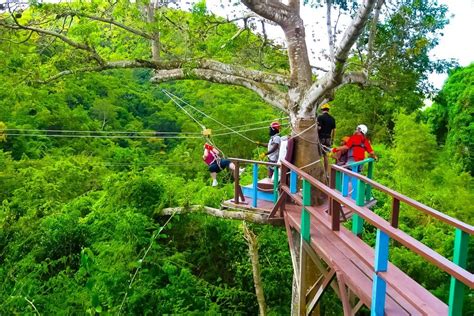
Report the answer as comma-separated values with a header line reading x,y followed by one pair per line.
x,y
89,161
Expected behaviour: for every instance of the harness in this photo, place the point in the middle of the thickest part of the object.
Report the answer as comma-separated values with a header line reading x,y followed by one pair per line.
x,y
361,145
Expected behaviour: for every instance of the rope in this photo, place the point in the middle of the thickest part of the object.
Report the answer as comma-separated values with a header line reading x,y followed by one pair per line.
x,y
143,258
99,136
169,94
17,130
99,132
182,108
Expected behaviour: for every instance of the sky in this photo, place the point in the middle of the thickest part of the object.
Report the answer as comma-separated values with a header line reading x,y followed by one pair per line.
x,y
457,41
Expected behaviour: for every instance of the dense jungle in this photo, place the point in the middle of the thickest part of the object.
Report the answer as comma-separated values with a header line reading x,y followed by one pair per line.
x,y
89,160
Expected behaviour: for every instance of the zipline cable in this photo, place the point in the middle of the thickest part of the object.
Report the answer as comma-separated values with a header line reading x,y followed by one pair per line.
x,y
129,136
182,108
172,96
128,132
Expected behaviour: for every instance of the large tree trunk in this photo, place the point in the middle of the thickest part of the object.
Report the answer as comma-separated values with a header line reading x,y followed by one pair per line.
x,y
307,154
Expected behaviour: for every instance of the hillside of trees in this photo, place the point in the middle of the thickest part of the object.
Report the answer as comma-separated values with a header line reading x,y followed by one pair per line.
x,y
88,162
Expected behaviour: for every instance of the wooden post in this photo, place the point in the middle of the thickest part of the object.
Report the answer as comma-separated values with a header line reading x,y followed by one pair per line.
x,y
380,265
275,184
456,290
255,185
236,182
293,182
395,212
357,221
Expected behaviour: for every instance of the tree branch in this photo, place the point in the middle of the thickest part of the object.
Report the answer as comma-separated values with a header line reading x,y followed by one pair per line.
x,y
62,37
265,91
271,9
334,77
228,214
113,22
373,32
329,30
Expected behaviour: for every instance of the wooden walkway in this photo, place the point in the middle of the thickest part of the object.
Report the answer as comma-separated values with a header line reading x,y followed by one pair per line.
x,y
359,274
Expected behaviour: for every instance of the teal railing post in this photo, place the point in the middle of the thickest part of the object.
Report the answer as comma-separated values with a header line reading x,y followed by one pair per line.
x,y
379,286
354,183
305,218
255,185
357,221
339,181
293,182
456,290
275,184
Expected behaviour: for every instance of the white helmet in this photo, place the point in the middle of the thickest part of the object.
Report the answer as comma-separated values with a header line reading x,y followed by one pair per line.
x,y
363,128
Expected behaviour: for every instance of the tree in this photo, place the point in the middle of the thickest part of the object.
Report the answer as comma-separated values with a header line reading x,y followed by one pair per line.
x,y
451,116
145,34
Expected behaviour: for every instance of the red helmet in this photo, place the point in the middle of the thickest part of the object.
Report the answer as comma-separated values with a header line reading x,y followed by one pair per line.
x,y
275,126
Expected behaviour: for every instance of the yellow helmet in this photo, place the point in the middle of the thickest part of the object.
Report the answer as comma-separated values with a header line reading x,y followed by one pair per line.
x,y
325,106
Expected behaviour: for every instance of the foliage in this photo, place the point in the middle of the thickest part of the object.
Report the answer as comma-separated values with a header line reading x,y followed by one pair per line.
x,y
451,116
78,213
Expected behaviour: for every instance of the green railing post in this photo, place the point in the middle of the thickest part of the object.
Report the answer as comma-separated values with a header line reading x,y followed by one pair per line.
x,y
357,221
456,290
275,184
370,174
305,218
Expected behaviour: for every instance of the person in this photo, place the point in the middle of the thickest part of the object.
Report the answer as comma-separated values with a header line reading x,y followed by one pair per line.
x,y
342,155
273,146
326,128
216,164
357,145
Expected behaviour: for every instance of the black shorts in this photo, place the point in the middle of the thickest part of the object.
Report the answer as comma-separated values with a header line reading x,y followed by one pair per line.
x,y
218,167
326,145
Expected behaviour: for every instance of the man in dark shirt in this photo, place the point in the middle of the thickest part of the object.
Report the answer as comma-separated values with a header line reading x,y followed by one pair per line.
x,y
326,128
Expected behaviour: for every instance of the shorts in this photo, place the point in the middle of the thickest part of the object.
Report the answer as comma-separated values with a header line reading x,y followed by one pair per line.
x,y
326,144
218,167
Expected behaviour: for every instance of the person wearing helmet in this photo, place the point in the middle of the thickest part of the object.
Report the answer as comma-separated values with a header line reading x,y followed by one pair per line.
x,y
216,164
273,146
357,145
326,129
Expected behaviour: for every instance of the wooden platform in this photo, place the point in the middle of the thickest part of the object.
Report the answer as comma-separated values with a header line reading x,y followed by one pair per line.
x,y
351,255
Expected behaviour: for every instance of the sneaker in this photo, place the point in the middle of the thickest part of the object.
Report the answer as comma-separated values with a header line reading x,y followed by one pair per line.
x,y
214,183
241,170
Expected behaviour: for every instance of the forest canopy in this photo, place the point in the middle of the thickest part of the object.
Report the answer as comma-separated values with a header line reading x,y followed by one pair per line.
x,y
91,152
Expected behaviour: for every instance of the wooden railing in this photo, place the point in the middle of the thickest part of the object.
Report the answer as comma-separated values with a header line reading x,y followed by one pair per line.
x,y
238,195
385,230
462,232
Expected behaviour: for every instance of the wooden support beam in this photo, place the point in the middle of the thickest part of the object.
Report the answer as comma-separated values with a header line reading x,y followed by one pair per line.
x,y
326,281
278,204
236,182
346,305
395,212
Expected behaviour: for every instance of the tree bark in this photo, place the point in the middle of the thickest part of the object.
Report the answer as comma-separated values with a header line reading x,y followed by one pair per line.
x,y
307,154
257,280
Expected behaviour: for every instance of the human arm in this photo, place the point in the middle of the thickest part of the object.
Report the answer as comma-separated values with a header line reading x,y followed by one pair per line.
x,y
368,148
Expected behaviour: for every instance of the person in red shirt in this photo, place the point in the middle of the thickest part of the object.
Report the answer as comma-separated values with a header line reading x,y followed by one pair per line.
x,y
211,157
357,145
